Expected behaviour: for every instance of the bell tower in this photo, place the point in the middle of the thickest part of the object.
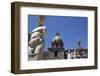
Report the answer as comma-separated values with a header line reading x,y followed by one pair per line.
x,y
78,43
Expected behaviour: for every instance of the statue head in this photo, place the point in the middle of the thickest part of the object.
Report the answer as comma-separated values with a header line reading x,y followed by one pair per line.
x,y
41,29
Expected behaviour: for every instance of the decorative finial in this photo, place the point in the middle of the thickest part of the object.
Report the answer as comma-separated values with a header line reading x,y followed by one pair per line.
x,y
57,34
41,20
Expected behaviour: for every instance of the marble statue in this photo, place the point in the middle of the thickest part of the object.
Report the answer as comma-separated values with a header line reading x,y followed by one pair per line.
x,y
36,43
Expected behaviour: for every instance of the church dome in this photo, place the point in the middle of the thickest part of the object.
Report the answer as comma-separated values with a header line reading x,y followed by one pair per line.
x,y
57,41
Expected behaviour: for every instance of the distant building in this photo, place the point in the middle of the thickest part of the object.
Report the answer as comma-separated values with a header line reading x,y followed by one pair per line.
x,y
76,53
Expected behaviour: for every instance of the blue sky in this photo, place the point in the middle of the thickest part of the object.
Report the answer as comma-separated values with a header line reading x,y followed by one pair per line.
x,y
69,28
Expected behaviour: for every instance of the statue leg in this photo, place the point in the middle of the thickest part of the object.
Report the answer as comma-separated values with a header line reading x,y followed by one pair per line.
x,y
38,49
39,52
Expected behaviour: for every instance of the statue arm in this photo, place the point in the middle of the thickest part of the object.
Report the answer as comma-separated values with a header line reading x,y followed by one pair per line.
x,y
35,39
